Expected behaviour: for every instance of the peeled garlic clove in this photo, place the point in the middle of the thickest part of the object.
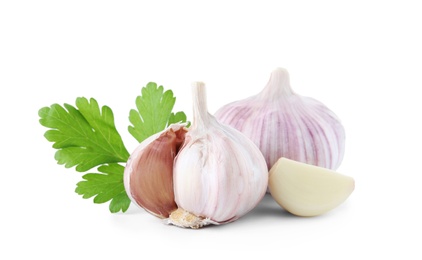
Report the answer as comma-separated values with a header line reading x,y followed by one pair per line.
x,y
148,176
284,124
207,174
308,190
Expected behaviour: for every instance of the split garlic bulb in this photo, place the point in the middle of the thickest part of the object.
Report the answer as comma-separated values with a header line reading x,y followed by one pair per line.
x,y
284,124
207,174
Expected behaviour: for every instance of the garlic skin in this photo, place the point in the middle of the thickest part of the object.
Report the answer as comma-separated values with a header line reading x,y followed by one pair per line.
x,y
207,174
284,124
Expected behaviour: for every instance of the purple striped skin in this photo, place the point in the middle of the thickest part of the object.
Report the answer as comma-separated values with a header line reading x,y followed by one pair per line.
x,y
284,124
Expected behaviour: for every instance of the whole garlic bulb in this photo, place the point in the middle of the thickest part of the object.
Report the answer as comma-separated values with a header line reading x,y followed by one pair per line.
x,y
284,124
207,174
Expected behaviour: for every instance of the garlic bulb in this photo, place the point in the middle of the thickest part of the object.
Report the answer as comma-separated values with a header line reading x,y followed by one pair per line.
x,y
207,174
284,124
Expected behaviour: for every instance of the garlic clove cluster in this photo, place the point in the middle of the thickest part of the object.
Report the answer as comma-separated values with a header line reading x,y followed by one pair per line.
x,y
308,190
207,174
284,124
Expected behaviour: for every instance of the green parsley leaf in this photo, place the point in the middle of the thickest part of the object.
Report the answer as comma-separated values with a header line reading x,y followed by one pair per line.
x,y
86,137
177,118
105,186
154,112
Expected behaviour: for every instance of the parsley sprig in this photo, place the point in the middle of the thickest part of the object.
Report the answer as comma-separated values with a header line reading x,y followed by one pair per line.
x,y
85,136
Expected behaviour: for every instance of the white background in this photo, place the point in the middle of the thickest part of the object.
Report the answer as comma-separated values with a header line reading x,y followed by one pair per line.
x,y
363,59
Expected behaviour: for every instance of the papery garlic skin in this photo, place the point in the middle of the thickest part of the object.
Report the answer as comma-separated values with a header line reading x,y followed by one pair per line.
x,y
219,174
284,124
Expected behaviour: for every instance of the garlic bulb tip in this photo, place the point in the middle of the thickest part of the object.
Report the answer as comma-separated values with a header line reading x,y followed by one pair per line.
x,y
198,84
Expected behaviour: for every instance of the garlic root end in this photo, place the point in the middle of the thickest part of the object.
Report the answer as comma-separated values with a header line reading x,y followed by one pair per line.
x,y
185,219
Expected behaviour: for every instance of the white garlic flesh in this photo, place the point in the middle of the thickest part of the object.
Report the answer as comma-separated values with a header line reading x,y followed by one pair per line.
x,y
284,124
308,190
206,174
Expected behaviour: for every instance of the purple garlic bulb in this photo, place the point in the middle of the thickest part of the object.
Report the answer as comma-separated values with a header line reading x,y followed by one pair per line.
x,y
284,124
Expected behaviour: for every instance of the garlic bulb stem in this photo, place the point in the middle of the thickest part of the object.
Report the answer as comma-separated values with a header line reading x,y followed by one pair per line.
x,y
278,85
200,108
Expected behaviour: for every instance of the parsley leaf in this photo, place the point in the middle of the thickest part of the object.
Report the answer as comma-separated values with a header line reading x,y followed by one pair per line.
x,y
105,186
154,112
86,137
177,118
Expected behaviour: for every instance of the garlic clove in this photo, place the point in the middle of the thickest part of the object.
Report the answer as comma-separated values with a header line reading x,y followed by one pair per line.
x,y
284,124
308,190
148,176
